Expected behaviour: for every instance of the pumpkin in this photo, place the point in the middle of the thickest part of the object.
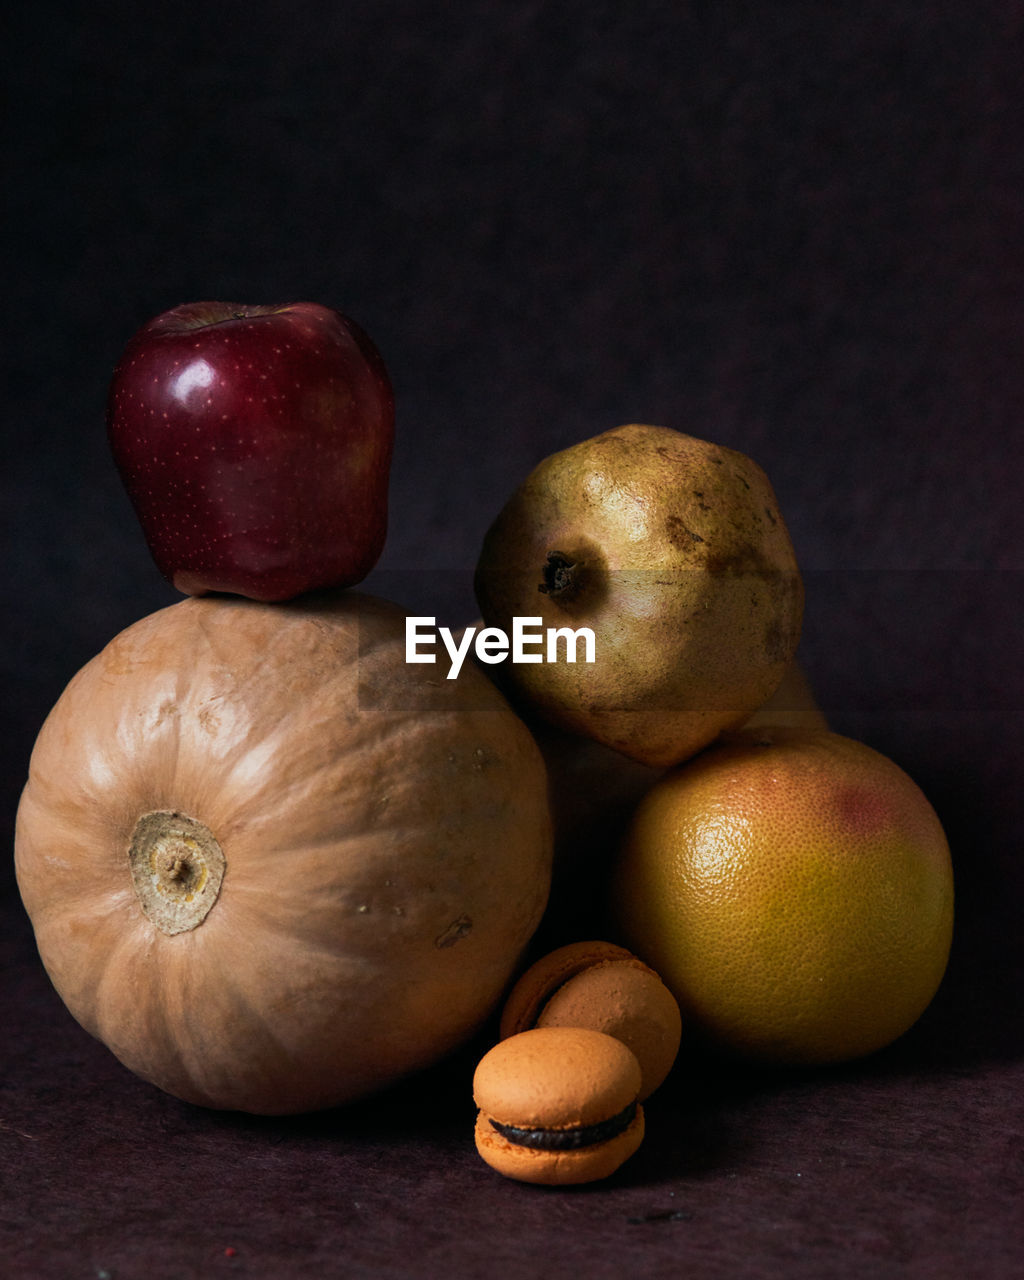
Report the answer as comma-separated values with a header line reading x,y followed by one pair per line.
x,y
271,865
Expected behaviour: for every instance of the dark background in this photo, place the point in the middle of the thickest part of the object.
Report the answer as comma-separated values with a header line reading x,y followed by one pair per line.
x,y
792,229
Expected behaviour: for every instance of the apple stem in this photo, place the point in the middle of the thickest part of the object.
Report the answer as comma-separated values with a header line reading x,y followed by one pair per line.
x,y
562,574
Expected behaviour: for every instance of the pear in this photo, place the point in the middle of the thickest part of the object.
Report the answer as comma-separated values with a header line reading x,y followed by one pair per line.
x,y
673,553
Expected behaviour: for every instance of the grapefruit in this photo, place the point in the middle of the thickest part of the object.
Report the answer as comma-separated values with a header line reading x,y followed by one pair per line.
x,y
794,890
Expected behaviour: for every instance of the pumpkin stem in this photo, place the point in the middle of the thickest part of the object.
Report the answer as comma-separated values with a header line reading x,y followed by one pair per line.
x,y
177,867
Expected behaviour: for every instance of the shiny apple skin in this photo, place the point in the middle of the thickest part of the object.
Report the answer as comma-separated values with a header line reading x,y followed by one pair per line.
x,y
255,444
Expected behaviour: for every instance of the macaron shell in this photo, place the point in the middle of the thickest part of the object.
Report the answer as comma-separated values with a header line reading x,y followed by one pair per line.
x,y
557,1168
629,1002
535,987
556,1077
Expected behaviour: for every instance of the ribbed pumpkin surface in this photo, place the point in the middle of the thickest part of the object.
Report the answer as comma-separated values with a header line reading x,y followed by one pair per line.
x,y
385,839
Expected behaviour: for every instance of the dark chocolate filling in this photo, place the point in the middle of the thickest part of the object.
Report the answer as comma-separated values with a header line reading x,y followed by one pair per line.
x,y
587,1135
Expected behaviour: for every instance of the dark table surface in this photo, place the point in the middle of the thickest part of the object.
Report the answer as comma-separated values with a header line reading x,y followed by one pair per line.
x,y
790,229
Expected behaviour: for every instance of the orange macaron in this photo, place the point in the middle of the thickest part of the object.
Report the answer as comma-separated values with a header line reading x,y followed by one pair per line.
x,y
602,987
558,1105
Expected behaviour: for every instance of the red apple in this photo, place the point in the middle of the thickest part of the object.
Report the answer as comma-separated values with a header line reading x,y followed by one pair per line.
x,y
255,444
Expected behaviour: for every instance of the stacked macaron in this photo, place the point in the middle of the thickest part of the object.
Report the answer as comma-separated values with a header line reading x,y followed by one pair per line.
x,y
587,1034
558,1105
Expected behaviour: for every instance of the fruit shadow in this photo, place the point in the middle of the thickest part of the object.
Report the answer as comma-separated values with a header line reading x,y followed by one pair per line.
x,y
427,1108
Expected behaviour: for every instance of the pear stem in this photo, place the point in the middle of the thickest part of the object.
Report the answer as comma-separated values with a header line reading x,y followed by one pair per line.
x,y
562,574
